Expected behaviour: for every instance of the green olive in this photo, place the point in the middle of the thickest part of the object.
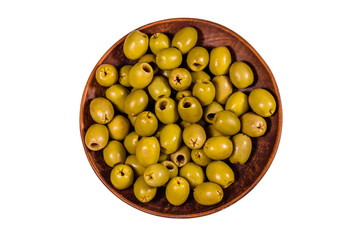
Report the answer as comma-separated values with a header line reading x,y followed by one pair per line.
x,y
156,175
136,44
140,75
237,103
148,151
197,59
262,102
253,125
200,158
194,136
181,156
163,157
132,161
170,138
114,153
101,110
177,191
212,132
131,141
119,127
208,193
180,79
242,148
185,39
146,124
136,102
223,88
106,75
218,148
204,92
190,109
164,73
173,169
241,75
219,172
210,111
193,173
124,75
122,176
132,119
159,87
143,192
200,76
159,41
166,110
151,60
181,94
227,123
168,58
220,60
96,137
117,94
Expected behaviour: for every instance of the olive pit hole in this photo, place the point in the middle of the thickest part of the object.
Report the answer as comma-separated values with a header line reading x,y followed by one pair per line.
x,y
211,116
162,105
187,104
94,145
146,68
178,79
170,167
180,158
197,65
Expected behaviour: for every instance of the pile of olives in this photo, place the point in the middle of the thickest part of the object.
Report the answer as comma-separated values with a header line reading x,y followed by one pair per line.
x,y
176,118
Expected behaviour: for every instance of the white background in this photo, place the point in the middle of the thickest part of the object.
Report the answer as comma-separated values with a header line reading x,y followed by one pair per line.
x,y
48,189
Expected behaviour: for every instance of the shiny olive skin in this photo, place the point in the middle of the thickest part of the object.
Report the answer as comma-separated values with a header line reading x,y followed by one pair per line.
x,y
204,92
262,102
197,59
200,158
218,148
185,39
163,157
223,88
166,110
130,142
208,193
101,110
177,191
219,172
242,148
210,111
146,124
117,94
237,103
119,127
156,175
253,125
227,123
132,119
164,73
181,156
168,58
124,75
136,44
194,136
241,75
181,94
122,176
193,173
151,60
114,153
200,76
140,75
190,109
143,192
106,75
136,102
212,132
96,137
159,87
173,169
170,138
158,41
180,79
147,151
220,60
132,161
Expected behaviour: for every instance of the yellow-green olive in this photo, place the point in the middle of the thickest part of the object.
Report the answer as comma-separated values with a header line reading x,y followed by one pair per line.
x,y
151,60
200,158
190,109
170,138
253,125
219,172
166,110
223,88
242,148
146,124
227,123
173,169
208,193
237,103
96,137
101,110
198,58
114,153
124,75
106,75
158,41
185,39
262,102
130,142
168,58
147,151
164,73
140,75
204,92
136,44
117,94
181,156
180,79
136,102
241,75
119,127
122,176
194,136
193,173
210,111
220,60
143,192
177,191
163,157
218,148
156,175
200,76
132,119
181,94
212,132
159,87
132,161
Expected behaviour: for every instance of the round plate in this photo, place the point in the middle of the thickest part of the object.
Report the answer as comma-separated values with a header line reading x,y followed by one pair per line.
x,y
264,148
